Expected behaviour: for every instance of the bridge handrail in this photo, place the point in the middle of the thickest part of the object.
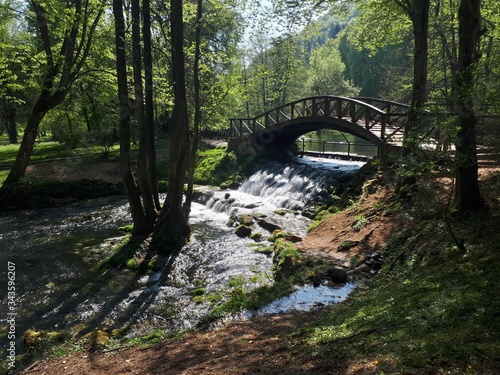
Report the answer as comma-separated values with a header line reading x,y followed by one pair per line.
x,y
385,119
273,115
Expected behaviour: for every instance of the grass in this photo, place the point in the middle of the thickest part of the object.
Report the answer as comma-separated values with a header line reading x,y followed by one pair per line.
x,y
432,306
217,166
45,150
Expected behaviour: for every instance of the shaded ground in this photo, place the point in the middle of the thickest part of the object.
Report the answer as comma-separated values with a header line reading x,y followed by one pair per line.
x,y
266,345
76,169
259,346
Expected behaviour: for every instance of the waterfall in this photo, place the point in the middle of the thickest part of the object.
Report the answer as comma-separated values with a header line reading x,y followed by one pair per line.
x,y
299,182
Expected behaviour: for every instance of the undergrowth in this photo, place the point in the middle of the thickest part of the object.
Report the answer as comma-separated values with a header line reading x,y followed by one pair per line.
x,y
217,166
434,306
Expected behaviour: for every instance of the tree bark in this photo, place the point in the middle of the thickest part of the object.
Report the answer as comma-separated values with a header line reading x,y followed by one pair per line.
x,y
11,123
44,103
131,189
149,102
172,229
144,181
197,109
467,195
418,11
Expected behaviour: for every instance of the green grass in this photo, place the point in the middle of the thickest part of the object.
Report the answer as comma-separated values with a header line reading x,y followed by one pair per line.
x,y
431,306
217,166
45,150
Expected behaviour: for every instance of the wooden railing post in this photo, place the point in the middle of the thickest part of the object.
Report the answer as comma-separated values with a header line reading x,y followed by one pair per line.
x,y
382,128
338,108
352,112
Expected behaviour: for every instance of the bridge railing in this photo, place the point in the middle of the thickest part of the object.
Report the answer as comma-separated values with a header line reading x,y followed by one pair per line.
x,y
385,119
339,148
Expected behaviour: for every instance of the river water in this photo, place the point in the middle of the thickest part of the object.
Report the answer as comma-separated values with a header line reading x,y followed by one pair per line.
x,y
55,252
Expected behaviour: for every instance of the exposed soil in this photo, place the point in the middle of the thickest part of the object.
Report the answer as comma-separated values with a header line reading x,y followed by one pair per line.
x,y
265,345
73,170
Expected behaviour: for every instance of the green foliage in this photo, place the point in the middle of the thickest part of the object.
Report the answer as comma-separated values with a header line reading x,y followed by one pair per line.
x,y
239,299
427,307
327,69
359,222
217,166
122,257
287,259
236,281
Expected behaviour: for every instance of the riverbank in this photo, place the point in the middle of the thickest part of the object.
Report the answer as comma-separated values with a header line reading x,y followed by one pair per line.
x,y
430,309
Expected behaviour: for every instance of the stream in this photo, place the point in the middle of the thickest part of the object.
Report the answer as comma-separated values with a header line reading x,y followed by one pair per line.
x,y
55,253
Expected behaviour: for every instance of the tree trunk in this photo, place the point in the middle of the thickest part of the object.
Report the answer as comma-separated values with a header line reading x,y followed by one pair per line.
x,y
197,110
467,195
149,102
66,65
172,229
143,162
11,123
418,11
131,189
44,103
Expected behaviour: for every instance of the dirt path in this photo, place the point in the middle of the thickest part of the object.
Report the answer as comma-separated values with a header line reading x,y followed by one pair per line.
x,y
258,346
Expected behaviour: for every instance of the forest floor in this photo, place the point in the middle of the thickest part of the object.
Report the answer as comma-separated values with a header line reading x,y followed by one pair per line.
x,y
276,344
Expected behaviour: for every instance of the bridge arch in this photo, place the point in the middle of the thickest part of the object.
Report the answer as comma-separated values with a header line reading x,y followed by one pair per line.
x,y
375,120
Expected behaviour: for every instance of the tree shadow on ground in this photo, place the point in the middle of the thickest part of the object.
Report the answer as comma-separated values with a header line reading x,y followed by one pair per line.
x,y
107,298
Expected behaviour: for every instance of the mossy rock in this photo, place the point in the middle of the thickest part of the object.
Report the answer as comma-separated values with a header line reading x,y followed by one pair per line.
x,y
243,231
97,337
197,292
257,237
33,338
246,220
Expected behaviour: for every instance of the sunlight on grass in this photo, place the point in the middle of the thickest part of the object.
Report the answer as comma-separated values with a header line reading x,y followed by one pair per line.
x,y
426,308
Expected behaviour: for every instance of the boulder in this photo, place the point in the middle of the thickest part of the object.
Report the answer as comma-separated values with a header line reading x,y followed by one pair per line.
x,y
337,275
268,225
243,231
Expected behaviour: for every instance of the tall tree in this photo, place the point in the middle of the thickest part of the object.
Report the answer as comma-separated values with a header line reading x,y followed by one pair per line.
x,y
145,144
61,68
149,100
131,189
197,109
172,227
418,12
467,195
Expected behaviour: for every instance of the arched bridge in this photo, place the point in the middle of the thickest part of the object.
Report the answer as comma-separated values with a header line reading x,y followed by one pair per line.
x,y
378,121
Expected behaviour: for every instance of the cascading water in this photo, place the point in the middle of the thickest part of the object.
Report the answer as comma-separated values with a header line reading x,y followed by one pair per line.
x,y
56,251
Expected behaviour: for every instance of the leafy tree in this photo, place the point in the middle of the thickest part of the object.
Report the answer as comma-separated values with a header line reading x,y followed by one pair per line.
x,y
68,29
16,85
327,72
147,153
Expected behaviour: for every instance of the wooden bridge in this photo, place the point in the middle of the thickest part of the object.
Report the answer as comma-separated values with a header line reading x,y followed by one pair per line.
x,y
378,121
